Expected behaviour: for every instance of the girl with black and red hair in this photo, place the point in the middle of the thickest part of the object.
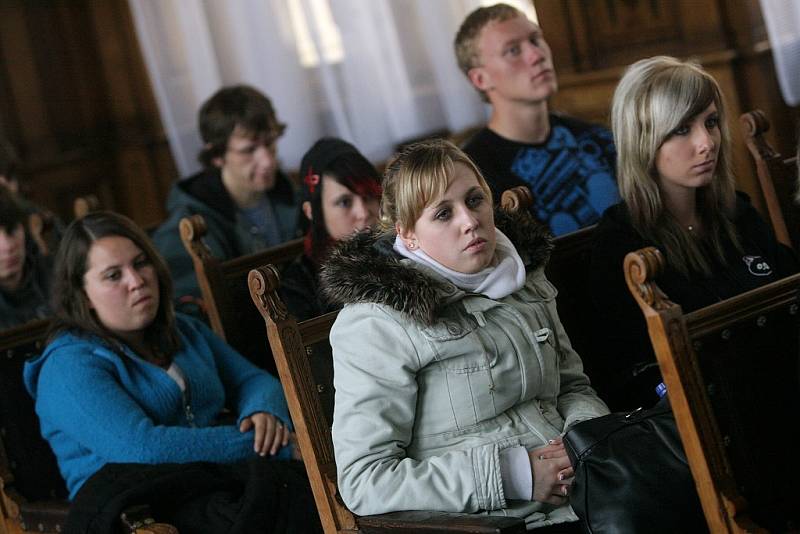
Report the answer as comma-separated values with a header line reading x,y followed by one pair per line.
x,y
341,195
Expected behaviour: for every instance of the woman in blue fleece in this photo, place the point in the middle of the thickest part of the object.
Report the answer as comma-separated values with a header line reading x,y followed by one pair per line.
x,y
126,380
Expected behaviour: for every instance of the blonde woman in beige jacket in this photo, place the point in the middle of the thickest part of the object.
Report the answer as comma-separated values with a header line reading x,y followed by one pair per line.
x,y
454,377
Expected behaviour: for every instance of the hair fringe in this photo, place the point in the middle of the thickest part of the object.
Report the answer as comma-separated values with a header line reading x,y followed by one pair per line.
x,y
417,176
654,97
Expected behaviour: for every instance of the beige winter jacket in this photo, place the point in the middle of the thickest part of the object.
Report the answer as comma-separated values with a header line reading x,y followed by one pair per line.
x,y
432,382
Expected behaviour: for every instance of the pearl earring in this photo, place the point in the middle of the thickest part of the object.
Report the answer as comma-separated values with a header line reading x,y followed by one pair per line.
x,y
411,246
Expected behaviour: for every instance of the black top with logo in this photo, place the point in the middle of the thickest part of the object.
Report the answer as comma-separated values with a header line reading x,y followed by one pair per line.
x,y
623,343
572,173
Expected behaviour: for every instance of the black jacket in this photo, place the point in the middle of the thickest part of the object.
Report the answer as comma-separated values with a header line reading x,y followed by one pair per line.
x,y
259,495
628,367
300,290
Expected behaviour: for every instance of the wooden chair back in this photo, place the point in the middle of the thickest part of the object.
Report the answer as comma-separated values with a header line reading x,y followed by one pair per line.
x,y
303,358
33,496
223,285
731,371
31,488
568,270
83,206
777,177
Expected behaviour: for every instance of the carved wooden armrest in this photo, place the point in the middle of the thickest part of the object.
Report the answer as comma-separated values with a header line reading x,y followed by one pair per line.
x,y
516,198
85,205
641,268
263,283
138,520
754,122
192,230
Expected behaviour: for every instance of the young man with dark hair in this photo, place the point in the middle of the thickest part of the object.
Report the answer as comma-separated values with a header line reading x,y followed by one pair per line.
x,y
248,204
568,164
24,271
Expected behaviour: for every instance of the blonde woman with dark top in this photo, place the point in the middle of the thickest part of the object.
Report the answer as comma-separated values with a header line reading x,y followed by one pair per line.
x,y
678,189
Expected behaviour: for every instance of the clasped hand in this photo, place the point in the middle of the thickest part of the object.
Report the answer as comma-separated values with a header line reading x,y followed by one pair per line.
x,y
552,473
270,433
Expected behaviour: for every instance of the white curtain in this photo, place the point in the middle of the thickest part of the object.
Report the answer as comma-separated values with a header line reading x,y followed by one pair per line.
x,y
389,75
782,18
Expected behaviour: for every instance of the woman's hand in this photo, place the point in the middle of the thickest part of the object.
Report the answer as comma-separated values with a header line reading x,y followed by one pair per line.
x,y
552,473
270,433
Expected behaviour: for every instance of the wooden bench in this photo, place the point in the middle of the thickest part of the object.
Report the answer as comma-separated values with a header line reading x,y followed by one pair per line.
x,y
33,492
731,371
568,270
223,285
33,496
777,177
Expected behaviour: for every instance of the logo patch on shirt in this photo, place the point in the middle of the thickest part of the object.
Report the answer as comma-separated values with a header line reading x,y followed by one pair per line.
x,y
571,178
757,265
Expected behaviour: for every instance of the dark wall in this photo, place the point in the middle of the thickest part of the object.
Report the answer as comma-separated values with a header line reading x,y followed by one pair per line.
x,y
76,101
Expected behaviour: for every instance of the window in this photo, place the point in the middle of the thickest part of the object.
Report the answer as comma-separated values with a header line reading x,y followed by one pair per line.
x,y
328,38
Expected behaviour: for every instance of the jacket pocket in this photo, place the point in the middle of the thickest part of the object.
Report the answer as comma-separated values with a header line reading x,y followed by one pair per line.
x,y
465,358
471,388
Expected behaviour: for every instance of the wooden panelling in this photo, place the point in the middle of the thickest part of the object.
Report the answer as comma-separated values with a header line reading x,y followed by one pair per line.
x,y
594,40
589,35
77,103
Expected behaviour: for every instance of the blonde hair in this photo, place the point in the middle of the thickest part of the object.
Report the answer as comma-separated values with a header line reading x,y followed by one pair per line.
x,y
653,98
419,175
466,42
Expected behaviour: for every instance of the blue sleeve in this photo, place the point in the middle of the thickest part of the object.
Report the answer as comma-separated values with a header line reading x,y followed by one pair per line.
x,y
80,398
249,388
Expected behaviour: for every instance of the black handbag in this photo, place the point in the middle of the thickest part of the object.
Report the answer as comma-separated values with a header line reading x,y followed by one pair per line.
x,y
631,474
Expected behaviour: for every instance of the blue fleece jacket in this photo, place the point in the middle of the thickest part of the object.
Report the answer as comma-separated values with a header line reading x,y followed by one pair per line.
x,y
97,408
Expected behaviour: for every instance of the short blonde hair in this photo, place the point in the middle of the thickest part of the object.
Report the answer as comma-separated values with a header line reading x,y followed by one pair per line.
x,y
466,39
654,97
419,175
466,42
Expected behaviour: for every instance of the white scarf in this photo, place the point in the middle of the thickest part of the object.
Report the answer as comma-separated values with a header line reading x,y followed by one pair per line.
x,y
505,275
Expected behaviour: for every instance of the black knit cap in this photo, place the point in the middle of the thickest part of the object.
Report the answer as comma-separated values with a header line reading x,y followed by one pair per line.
x,y
318,159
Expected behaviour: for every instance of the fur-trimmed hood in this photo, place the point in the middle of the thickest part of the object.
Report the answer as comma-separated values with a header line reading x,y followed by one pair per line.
x,y
366,269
